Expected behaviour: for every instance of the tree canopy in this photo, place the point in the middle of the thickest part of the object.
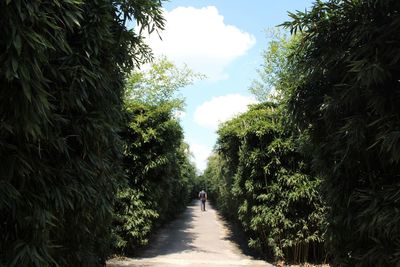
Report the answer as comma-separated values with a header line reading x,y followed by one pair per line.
x,y
160,83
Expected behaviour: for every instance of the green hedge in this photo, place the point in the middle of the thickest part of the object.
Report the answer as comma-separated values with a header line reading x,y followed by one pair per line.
x,y
160,175
348,100
262,180
61,79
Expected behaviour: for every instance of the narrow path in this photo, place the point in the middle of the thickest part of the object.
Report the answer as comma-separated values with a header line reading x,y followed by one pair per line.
x,y
196,238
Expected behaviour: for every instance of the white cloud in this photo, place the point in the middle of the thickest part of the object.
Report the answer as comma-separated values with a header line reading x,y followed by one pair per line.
x,y
220,109
200,153
201,39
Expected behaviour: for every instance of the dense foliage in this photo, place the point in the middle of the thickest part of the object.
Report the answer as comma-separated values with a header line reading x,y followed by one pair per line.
x,y
159,173
156,160
61,77
261,179
348,61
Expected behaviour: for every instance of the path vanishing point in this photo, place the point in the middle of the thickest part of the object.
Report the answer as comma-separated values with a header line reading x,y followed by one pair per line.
x,y
194,239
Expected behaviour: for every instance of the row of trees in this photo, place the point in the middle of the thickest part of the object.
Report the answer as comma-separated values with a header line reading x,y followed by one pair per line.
x,y
261,179
84,168
160,175
348,102
319,163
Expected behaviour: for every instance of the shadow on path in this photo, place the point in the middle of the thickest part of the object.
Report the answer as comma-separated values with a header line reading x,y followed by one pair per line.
x,y
194,239
236,235
175,237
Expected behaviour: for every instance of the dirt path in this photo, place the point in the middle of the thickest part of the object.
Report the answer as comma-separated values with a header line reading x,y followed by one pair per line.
x,y
196,238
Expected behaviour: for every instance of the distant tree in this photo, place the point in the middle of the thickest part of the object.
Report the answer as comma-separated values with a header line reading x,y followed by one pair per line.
x,y
274,66
160,173
219,185
160,83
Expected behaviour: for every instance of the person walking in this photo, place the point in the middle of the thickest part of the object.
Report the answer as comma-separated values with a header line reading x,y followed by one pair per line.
x,y
203,198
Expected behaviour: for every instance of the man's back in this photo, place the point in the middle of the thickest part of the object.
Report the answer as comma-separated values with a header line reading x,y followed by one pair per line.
x,y
203,195
203,198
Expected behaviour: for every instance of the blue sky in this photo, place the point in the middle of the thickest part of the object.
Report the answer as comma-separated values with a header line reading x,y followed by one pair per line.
x,y
223,39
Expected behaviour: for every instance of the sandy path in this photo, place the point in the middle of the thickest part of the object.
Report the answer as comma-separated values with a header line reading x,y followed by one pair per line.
x,y
196,238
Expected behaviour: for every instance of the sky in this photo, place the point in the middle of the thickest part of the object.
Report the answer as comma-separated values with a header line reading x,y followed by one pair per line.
x,y
224,40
